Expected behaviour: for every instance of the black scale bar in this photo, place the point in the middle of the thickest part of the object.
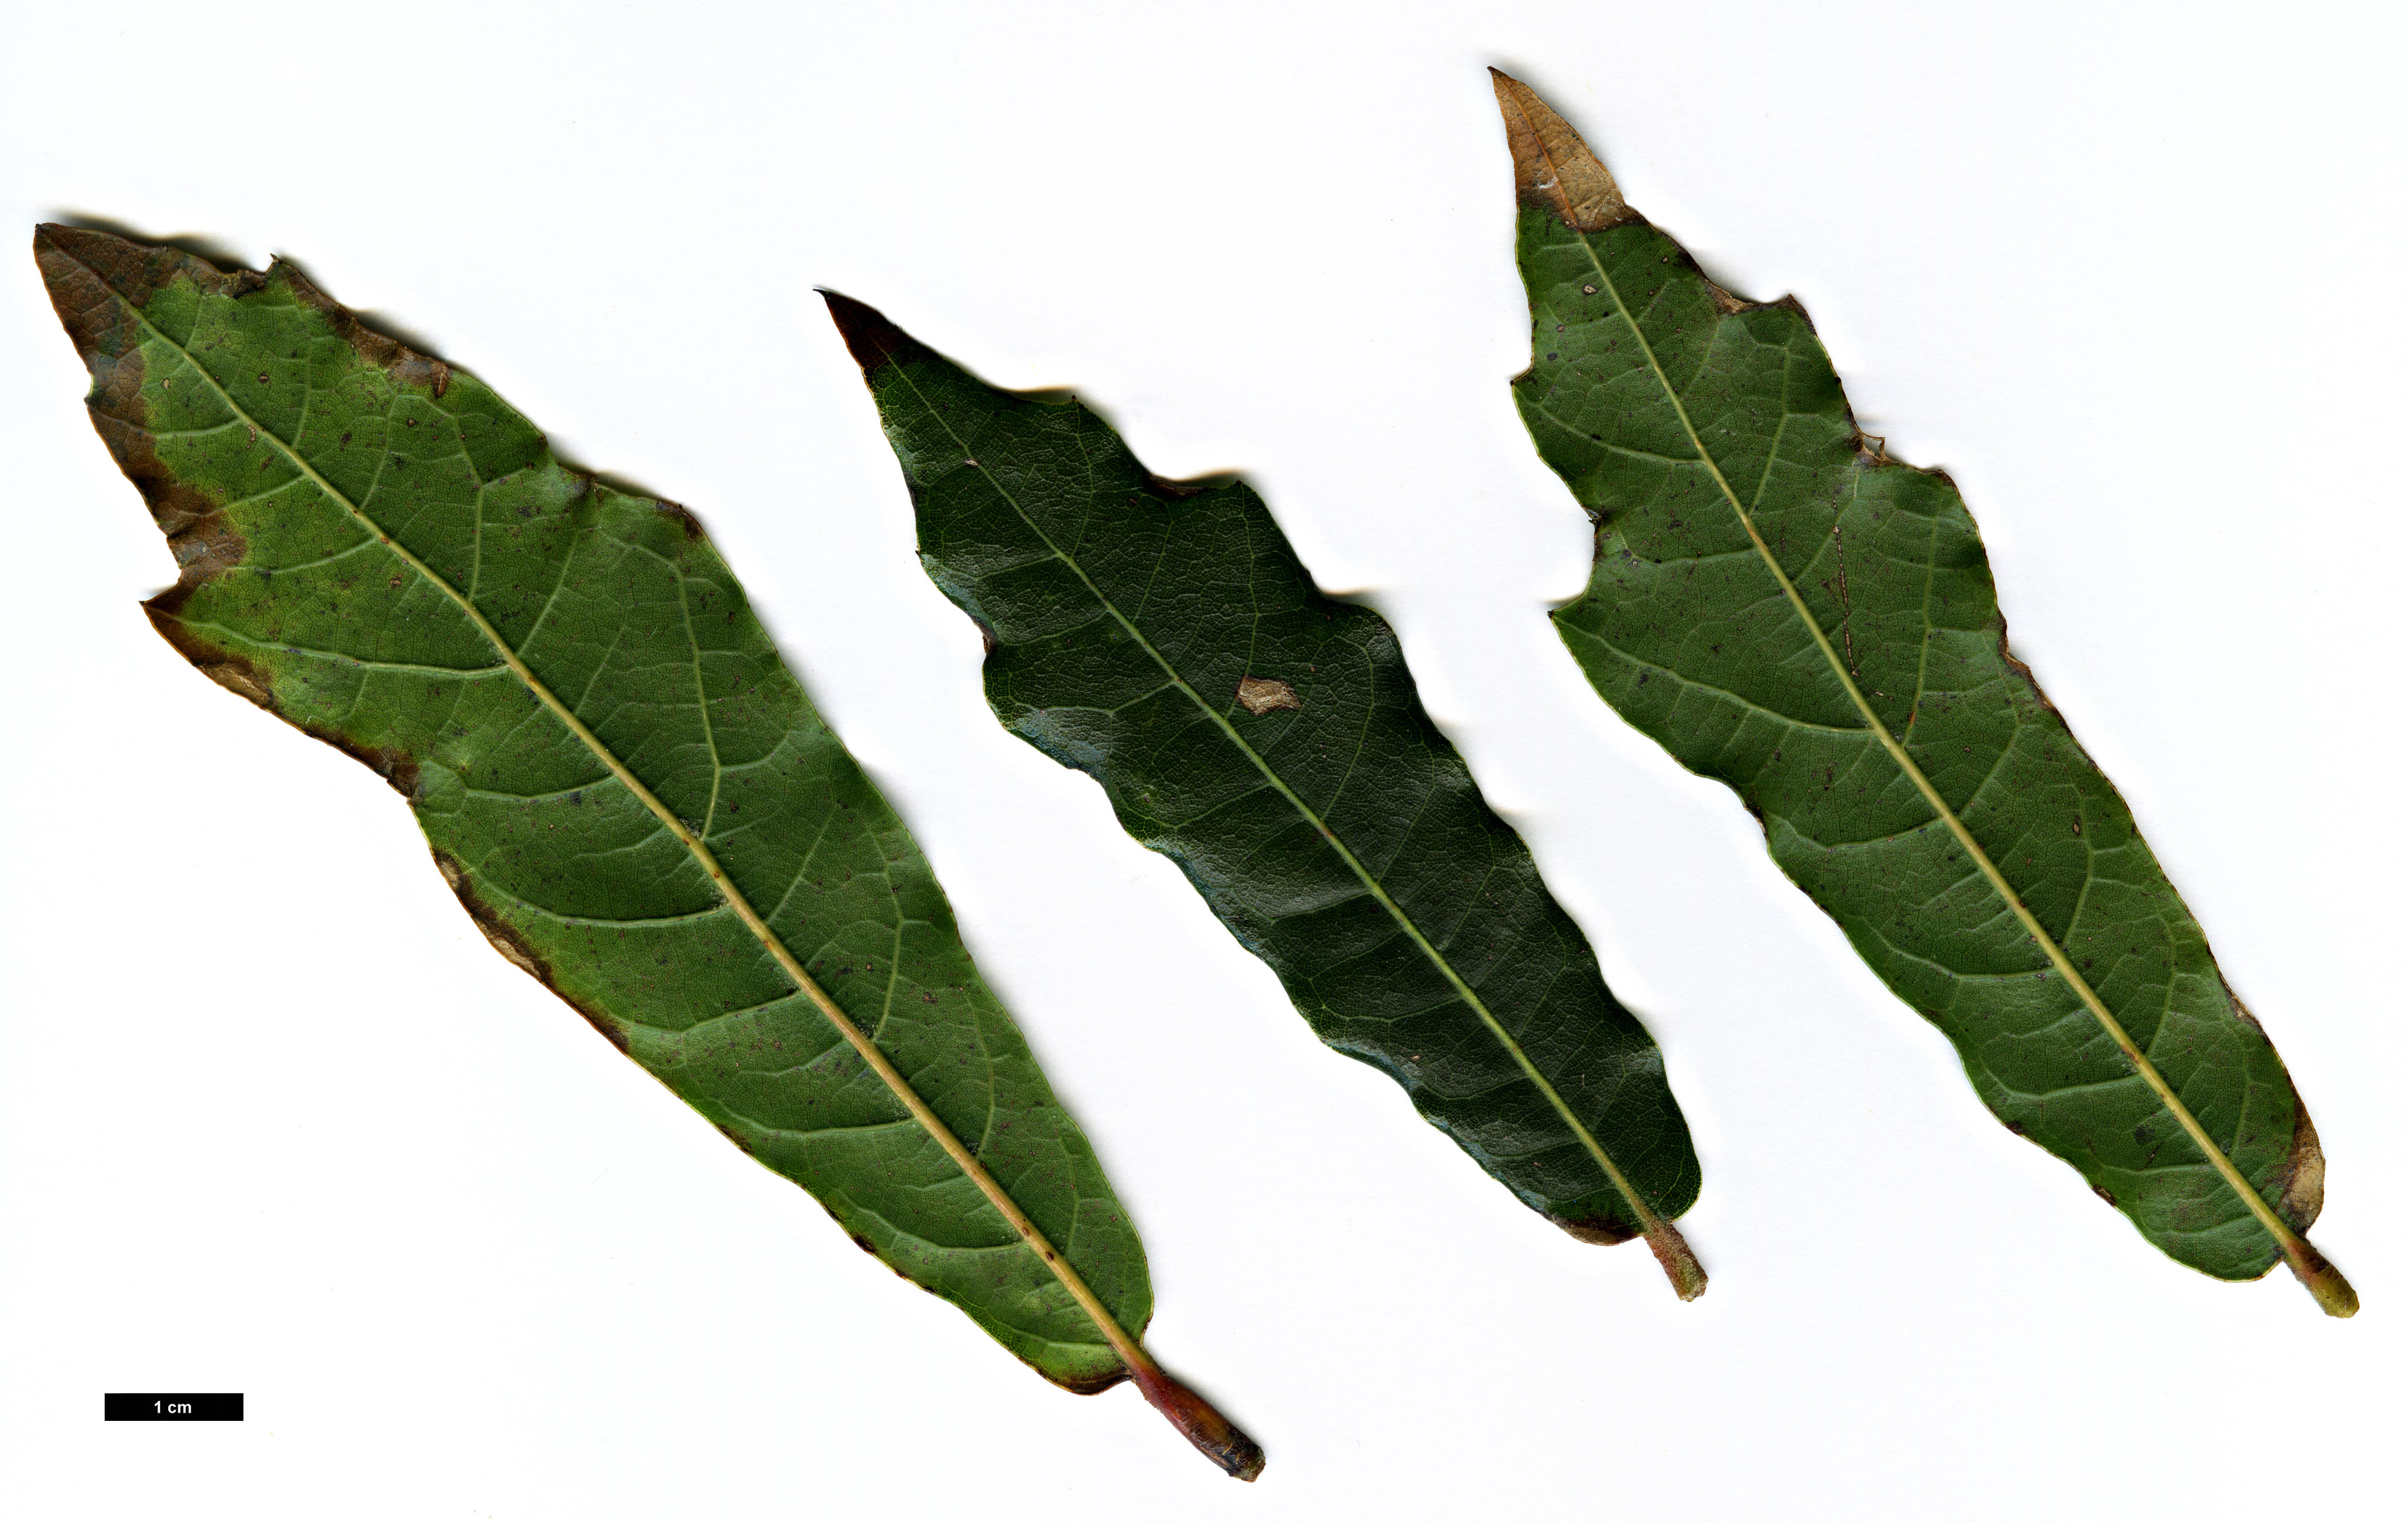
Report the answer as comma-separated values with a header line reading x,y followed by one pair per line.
x,y
153,1407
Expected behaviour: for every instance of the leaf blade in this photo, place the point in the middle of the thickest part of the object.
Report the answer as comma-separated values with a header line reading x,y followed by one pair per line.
x,y
381,551
1353,876
1722,569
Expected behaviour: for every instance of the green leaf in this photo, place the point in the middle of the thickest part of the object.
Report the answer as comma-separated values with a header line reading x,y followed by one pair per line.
x,y
1165,639
1789,611
630,794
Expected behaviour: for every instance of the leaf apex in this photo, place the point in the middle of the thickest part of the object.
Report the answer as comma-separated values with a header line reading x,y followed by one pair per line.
x,y
1555,171
875,342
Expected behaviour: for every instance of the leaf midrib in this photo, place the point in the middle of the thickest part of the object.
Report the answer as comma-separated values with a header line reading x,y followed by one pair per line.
x,y
1122,1341
1651,1224
2292,1245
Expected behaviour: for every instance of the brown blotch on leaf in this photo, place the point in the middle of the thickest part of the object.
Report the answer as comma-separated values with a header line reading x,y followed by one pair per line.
x,y
249,679
88,273
199,533
2297,1195
414,369
2301,1197
1260,696
517,949
1553,169
399,767
237,674
239,682
685,520
407,366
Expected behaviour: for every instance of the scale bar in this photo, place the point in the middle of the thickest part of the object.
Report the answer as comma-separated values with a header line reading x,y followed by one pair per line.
x,y
153,1406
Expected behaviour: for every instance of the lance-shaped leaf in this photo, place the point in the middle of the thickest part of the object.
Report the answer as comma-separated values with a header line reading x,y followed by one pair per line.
x,y
1789,611
1166,641
628,791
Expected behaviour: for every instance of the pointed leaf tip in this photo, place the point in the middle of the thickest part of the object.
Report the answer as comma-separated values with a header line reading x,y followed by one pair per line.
x,y
1554,171
874,341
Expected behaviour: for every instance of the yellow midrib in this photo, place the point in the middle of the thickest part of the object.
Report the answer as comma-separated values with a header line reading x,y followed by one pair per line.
x,y
1651,1223
2291,1244
1122,1341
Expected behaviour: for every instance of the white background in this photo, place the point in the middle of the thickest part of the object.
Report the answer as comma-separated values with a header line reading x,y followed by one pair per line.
x,y
278,1121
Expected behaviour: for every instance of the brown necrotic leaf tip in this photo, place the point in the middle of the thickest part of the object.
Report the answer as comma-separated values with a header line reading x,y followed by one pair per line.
x,y
1553,169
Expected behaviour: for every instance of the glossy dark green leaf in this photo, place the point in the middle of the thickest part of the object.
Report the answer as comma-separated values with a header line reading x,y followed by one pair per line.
x,y
618,776
1791,612
1166,641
